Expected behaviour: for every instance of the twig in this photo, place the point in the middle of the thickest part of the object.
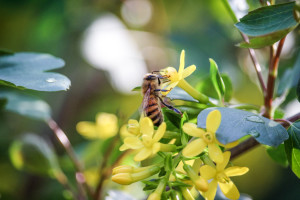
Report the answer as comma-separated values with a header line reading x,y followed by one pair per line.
x,y
271,79
256,65
251,51
65,142
102,167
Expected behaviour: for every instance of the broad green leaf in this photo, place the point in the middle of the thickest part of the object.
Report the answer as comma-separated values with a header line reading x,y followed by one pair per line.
x,y
216,79
32,153
278,155
266,40
206,87
298,90
171,118
268,19
26,105
180,94
29,70
238,123
292,147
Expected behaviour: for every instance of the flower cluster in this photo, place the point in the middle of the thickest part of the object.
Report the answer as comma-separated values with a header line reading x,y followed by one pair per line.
x,y
199,165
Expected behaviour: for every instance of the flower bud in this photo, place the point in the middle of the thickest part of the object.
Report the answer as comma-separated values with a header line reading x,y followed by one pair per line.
x,y
200,183
129,169
186,193
156,195
122,178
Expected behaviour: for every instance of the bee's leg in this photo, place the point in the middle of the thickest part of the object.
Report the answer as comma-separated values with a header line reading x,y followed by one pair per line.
x,y
161,90
170,107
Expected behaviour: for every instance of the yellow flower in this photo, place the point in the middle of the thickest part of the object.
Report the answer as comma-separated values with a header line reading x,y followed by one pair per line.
x,y
220,176
148,144
205,138
178,79
106,126
126,178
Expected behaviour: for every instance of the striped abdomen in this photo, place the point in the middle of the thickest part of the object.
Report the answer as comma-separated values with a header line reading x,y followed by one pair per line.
x,y
153,110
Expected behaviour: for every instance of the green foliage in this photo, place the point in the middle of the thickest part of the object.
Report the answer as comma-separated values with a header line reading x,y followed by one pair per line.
x,y
180,94
278,154
28,70
292,147
206,86
33,154
268,19
216,79
236,124
5,52
267,24
26,105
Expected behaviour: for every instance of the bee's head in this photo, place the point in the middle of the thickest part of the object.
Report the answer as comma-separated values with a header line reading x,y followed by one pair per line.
x,y
150,77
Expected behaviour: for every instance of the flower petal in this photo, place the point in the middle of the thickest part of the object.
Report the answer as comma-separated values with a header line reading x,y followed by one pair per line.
x,y
228,145
212,189
194,148
169,87
215,153
123,147
230,190
192,130
226,157
188,71
181,65
207,172
236,171
147,126
87,129
143,154
213,121
133,142
160,132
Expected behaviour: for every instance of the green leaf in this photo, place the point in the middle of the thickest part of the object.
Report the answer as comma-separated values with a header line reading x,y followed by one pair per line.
x,y
238,123
292,147
32,153
268,19
206,87
29,70
184,137
26,105
298,90
171,117
266,40
278,155
179,94
216,79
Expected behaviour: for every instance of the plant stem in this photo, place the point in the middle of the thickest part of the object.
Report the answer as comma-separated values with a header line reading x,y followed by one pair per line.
x,y
65,142
271,80
251,51
102,170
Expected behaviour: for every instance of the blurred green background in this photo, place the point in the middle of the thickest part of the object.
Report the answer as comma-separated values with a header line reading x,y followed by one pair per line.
x,y
108,45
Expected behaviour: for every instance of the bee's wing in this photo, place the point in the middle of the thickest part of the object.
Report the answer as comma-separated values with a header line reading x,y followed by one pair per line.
x,y
145,101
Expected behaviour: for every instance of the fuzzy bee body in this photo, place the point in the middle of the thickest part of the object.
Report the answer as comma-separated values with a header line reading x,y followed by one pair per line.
x,y
151,101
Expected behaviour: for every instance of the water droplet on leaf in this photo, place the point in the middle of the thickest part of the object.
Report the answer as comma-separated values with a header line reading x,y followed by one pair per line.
x,y
51,80
254,133
255,118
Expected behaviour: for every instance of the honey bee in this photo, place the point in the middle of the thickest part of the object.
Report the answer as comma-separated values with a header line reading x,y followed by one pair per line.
x,y
152,100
